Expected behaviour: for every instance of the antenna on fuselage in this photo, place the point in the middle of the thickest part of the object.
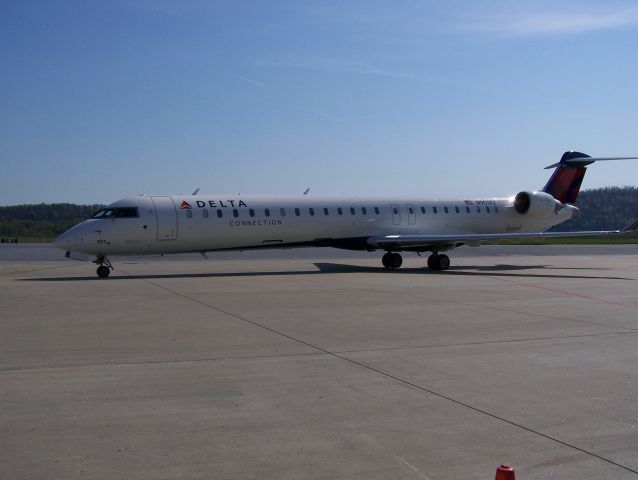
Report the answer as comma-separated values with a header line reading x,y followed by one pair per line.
x,y
196,191
307,190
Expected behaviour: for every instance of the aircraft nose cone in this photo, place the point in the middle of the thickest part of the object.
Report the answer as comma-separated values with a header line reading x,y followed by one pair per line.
x,y
62,241
71,239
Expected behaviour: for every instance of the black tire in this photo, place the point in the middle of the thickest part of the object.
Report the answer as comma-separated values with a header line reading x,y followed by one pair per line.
x,y
433,262
103,271
444,262
396,260
386,260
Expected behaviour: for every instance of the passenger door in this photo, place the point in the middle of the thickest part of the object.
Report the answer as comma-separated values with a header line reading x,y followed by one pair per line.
x,y
166,215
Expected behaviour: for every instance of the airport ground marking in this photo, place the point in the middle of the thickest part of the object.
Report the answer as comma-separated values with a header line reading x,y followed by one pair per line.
x,y
567,292
394,377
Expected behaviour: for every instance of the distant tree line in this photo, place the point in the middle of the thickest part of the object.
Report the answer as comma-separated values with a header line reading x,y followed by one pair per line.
x,y
608,208
42,221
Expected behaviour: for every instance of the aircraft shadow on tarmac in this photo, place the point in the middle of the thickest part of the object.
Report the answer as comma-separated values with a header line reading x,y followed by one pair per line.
x,y
337,268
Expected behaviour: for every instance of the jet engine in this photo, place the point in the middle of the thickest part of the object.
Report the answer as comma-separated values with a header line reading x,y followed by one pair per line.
x,y
535,203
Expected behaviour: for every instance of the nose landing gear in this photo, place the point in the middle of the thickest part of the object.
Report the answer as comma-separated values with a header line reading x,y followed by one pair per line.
x,y
104,266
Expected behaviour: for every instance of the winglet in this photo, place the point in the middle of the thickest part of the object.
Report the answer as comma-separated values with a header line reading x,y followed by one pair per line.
x,y
631,227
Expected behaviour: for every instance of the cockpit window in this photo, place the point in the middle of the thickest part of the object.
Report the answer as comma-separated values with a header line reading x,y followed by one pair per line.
x,y
119,212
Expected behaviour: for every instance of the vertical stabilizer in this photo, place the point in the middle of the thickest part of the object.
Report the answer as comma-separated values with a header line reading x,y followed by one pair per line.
x,y
566,180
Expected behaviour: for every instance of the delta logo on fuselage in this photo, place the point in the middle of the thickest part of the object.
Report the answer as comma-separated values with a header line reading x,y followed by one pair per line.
x,y
213,204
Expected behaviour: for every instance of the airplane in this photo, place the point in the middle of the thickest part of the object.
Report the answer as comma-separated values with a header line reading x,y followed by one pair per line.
x,y
163,224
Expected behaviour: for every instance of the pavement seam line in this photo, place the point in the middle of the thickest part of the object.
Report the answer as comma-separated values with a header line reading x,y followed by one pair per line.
x,y
397,379
493,342
159,362
308,354
407,294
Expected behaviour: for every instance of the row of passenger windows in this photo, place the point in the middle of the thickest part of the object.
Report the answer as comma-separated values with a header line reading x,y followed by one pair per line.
x,y
283,212
456,209
339,211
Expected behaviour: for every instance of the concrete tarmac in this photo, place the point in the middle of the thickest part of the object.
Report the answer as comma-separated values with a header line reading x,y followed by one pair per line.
x,y
320,366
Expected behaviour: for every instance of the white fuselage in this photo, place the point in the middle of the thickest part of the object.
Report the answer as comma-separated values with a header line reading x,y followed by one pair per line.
x,y
178,223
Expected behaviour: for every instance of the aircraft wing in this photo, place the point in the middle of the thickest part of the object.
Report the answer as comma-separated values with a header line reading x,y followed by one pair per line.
x,y
453,240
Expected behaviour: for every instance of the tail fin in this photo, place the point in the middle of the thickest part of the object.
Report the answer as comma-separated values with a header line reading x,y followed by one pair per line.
x,y
564,184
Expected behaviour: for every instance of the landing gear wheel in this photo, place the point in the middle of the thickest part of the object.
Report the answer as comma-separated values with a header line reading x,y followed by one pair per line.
x,y
104,266
438,262
444,262
103,271
392,260
397,260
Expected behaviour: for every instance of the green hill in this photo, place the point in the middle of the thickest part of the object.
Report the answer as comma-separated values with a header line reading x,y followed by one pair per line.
x,y
42,222
607,208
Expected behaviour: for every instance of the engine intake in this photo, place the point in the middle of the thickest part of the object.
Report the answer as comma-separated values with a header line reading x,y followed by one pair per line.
x,y
535,203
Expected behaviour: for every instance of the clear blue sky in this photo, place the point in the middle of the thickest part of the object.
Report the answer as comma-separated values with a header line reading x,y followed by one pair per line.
x,y
105,99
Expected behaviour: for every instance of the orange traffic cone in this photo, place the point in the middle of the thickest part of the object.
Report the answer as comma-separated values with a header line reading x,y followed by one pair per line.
x,y
505,472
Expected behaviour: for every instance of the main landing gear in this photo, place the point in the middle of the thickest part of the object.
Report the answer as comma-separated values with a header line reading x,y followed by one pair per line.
x,y
104,266
391,260
436,261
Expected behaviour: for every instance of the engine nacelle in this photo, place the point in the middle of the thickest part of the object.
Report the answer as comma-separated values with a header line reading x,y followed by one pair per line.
x,y
535,203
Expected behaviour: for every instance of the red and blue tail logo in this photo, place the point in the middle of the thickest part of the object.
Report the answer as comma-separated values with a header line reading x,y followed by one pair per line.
x,y
566,180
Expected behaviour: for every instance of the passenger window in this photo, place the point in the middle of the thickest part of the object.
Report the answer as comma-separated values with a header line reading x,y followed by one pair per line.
x,y
282,212
487,209
339,210
434,210
456,209
376,210
267,212
423,210
467,209
311,211
235,213
189,213
478,209
364,211
351,210
325,211
220,214
297,212
205,213
251,212
445,210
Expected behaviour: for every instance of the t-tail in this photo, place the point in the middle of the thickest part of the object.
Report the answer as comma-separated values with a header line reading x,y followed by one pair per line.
x,y
565,182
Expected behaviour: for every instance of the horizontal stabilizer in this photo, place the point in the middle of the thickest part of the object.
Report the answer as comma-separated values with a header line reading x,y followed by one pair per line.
x,y
566,180
581,161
